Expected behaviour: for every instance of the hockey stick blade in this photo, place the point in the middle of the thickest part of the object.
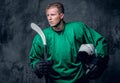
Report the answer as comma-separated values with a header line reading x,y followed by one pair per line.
x,y
39,31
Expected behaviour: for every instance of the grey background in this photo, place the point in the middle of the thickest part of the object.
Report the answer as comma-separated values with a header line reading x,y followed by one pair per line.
x,y
16,35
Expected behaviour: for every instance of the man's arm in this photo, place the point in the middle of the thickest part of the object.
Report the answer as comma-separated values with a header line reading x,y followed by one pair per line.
x,y
39,65
36,51
100,58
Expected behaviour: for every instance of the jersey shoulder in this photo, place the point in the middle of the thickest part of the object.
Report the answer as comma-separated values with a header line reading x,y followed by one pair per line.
x,y
76,26
77,23
47,30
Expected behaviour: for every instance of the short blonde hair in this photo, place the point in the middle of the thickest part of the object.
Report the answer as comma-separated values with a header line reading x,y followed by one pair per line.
x,y
58,5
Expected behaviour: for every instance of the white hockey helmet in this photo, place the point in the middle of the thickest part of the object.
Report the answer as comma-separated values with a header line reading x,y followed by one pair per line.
x,y
89,48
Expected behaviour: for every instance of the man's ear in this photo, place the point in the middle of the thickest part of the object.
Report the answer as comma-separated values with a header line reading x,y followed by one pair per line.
x,y
62,15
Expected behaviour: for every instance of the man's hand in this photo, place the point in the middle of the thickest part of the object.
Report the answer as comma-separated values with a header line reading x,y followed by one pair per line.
x,y
42,68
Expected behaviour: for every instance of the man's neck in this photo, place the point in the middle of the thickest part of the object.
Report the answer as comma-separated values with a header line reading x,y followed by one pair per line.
x,y
59,27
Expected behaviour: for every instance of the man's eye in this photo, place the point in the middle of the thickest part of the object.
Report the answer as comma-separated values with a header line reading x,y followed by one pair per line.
x,y
52,14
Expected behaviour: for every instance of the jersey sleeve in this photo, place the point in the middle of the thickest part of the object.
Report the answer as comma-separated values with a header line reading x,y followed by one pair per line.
x,y
99,42
36,51
90,36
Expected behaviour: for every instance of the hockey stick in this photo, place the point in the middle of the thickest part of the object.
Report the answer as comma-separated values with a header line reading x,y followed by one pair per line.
x,y
39,31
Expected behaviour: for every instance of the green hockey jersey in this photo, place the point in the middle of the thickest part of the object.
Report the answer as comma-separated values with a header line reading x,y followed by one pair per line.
x,y
62,49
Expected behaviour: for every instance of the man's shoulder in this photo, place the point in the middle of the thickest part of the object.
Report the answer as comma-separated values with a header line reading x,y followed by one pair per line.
x,y
75,23
46,28
48,31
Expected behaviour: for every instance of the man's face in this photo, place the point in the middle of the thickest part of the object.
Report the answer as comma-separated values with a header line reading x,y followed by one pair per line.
x,y
54,16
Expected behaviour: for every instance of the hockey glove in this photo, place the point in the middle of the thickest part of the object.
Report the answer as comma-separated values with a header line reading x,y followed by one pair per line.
x,y
43,68
84,57
96,67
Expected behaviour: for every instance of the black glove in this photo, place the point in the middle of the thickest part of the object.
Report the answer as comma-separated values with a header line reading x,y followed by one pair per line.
x,y
96,67
92,71
42,68
84,57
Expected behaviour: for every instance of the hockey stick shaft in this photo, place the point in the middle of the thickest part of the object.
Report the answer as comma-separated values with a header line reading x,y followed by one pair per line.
x,y
39,31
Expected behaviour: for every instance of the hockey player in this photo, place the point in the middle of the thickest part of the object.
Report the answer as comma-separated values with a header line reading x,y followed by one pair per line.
x,y
75,52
